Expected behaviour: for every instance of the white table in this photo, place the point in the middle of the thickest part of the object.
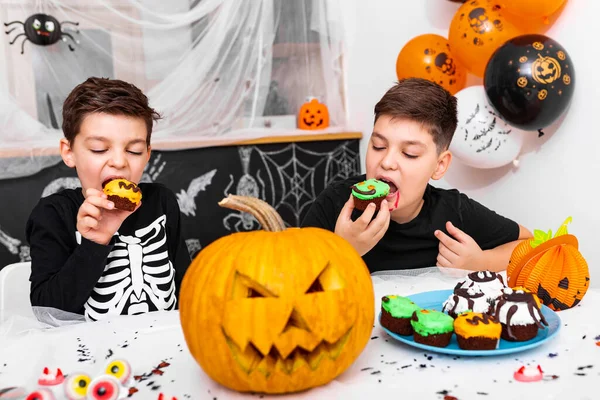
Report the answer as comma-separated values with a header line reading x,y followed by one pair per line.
x,y
385,369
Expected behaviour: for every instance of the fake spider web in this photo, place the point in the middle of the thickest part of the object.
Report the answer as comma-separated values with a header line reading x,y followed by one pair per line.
x,y
298,175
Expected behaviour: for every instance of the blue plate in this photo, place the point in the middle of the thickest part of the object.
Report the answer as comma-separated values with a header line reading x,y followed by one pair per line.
x,y
434,300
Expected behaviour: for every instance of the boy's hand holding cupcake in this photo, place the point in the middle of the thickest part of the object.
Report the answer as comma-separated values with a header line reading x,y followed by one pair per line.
x,y
103,212
363,234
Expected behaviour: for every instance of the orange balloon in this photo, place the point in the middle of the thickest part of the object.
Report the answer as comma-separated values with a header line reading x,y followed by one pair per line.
x,y
477,29
428,56
528,25
532,8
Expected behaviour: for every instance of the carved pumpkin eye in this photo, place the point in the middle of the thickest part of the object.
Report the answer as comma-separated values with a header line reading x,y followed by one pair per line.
x,y
77,385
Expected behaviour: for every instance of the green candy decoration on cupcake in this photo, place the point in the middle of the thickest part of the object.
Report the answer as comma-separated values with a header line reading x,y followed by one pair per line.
x,y
396,312
433,328
398,306
369,191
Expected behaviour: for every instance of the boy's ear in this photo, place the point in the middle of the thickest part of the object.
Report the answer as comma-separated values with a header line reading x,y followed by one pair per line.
x,y
443,162
67,153
149,153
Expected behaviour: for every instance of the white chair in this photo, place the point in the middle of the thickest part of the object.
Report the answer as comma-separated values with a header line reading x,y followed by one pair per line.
x,y
14,291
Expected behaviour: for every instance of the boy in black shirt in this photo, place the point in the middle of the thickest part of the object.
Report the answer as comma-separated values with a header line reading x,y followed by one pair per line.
x,y
86,256
418,225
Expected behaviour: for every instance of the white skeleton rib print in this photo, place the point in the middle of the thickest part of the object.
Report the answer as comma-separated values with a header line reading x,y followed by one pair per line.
x,y
138,278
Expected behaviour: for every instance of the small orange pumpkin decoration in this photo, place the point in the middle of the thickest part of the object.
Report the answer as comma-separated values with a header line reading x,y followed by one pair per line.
x,y
551,267
313,116
277,310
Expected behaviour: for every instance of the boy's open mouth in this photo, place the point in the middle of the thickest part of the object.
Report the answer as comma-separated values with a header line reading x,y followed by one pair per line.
x,y
393,187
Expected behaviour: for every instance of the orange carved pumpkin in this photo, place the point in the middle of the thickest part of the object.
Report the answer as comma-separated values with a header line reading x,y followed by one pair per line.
x,y
551,267
277,310
313,116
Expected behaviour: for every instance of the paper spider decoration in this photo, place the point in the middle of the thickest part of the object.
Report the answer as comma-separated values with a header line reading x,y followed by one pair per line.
x,y
43,30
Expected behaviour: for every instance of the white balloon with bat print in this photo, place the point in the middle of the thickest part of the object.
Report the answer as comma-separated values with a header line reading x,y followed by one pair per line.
x,y
482,138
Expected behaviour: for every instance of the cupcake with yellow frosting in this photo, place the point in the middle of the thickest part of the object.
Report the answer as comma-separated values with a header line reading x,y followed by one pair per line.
x,y
477,331
125,194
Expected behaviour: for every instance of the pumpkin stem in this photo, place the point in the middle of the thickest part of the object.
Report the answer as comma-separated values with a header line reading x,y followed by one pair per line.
x,y
266,215
562,230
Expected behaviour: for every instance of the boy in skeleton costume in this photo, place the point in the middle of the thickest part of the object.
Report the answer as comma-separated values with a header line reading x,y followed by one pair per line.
x,y
88,257
418,225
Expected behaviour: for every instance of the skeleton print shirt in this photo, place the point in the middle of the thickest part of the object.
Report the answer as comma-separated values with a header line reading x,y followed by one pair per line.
x,y
139,271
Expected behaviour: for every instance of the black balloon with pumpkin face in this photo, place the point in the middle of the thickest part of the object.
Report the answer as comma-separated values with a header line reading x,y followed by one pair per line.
x,y
41,29
530,81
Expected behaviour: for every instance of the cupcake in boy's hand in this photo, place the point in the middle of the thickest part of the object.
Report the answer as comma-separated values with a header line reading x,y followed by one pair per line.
x,y
477,331
519,313
369,191
396,313
124,194
433,328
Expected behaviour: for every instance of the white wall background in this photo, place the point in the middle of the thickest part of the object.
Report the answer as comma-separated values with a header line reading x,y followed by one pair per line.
x,y
557,175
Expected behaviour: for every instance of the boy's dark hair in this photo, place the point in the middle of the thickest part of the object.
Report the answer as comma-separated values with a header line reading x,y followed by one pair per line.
x,y
425,102
103,95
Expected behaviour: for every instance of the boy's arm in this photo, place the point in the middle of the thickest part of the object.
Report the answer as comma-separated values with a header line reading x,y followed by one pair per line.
x,y
497,259
62,276
178,251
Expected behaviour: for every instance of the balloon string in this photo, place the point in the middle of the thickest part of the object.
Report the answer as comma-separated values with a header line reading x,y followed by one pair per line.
x,y
540,133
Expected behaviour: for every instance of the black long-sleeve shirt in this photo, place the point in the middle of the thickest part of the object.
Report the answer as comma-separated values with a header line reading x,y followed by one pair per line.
x,y
140,270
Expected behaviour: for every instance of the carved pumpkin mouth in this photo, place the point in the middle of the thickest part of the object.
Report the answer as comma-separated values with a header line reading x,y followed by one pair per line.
x,y
251,359
311,123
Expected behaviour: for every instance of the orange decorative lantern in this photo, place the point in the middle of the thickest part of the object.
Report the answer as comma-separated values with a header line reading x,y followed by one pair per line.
x,y
276,310
313,116
551,267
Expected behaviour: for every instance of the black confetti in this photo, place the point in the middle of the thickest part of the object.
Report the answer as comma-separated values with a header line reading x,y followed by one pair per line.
x,y
584,336
109,355
374,337
379,380
597,337
429,358
580,374
482,393
585,367
443,392
552,355
423,366
155,387
375,372
406,366
366,369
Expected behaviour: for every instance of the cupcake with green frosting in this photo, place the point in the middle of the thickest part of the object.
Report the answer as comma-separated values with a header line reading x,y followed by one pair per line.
x,y
433,328
369,191
396,312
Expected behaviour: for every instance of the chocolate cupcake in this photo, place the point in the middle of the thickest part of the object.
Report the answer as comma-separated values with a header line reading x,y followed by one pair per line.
x,y
433,328
520,315
369,191
396,313
477,331
462,300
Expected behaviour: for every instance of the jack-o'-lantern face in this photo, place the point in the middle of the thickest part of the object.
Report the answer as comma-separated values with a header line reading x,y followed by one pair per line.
x,y
277,311
313,116
551,267
545,70
445,64
478,20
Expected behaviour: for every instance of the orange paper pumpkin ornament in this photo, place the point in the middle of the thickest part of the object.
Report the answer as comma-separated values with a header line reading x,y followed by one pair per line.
x,y
313,116
551,267
276,310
